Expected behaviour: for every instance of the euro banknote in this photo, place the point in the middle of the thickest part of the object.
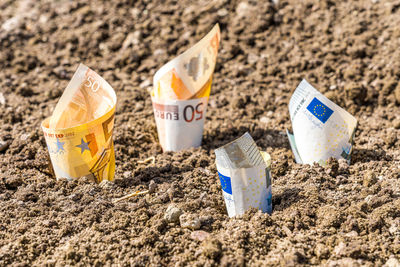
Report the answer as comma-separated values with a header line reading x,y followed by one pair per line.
x,y
321,129
79,132
180,94
245,176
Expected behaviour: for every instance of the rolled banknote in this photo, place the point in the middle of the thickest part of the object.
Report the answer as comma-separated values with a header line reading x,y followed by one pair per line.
x,y
79,132
321,129
245,176
181,91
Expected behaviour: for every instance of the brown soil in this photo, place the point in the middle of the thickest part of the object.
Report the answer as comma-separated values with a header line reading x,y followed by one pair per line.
x,y
337,215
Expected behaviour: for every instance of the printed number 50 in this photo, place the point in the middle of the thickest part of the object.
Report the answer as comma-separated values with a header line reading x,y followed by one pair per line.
x,y
92,83
190,113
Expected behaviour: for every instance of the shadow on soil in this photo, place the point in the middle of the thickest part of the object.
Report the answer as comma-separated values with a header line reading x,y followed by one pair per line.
x,y
361,155
285,199
264,138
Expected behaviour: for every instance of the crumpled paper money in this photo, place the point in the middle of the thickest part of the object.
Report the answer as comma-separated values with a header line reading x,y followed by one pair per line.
x,y
321,129
181,91
245,176
79,132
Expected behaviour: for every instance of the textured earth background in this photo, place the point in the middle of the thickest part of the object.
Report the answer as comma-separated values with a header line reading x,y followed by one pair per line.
x,y
336,215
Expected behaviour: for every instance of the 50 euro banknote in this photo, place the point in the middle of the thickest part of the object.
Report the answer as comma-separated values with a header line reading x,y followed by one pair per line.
x,y
321,129
181,91
79,132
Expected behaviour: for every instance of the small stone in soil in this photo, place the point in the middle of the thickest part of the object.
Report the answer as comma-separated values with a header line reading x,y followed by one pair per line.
x,y
2,99
145,83
396,123
264,120
159,52
105,184
397,93
75,197
190,221
222,12
392,262
127,174
4,145
172,214
242,10
199,235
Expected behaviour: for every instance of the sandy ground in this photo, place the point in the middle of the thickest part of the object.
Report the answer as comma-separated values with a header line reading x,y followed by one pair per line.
x,y
339,215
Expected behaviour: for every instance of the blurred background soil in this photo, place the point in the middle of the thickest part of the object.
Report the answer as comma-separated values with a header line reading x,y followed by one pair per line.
x,y
339,215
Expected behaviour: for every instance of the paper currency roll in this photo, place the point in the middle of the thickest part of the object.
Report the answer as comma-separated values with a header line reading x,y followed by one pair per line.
x,y
245,176
180,123
79,133
181,91
321,129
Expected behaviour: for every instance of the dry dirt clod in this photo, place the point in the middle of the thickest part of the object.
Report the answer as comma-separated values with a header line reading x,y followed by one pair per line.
x,y
321,251
211,248
328,216
356,92
152,187
369,179
332,167
344,262
13,182
391,137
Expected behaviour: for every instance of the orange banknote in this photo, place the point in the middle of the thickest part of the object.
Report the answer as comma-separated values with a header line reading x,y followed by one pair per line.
x,y
79,132
181,91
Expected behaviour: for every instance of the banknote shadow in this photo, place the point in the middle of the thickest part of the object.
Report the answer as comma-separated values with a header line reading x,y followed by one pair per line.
x,y
264,138
285,199
362,155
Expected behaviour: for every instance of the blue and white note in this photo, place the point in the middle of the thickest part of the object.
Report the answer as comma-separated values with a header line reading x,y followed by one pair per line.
x,y
245,176
321,129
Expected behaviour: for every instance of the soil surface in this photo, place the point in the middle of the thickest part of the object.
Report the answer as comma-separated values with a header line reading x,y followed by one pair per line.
x,y
338,215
